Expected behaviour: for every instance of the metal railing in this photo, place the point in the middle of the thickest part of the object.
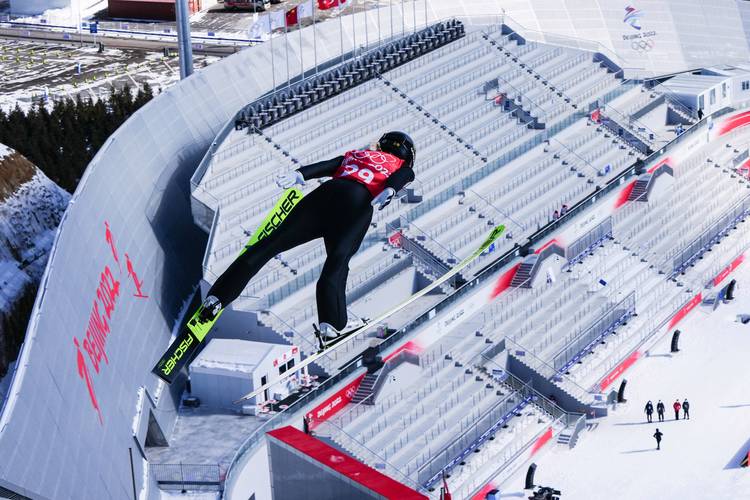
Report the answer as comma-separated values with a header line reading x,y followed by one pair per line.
x,y
605,324
710,235
340,437
592,238
488,423
185,475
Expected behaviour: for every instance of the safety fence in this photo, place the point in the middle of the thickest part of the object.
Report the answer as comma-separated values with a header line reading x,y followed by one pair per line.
x,y
713,234
589,241
615,316
188,475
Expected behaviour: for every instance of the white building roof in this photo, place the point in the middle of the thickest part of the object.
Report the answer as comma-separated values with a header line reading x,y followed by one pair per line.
x,y
237,355
693,84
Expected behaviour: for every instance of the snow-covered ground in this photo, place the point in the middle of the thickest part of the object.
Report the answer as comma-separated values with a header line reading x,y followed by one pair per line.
x,y
699,457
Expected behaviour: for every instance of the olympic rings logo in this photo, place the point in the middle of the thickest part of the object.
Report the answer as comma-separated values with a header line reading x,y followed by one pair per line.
x,y
642,45
375,157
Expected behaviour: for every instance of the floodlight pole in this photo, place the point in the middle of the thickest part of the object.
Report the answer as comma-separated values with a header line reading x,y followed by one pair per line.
x,y
183,38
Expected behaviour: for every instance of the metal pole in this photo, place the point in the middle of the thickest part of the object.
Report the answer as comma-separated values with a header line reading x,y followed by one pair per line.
x,y
354,31
403,19
379,36
132,473
315,41
183,38
299,28
414,15
273,66
341,31
367,38
425,14
286,52
390,9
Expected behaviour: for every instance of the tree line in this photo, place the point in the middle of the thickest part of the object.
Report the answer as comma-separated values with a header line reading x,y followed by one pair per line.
x,y
62,139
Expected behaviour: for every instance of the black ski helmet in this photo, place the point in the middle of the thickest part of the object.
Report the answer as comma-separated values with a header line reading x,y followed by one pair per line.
x,y
399,145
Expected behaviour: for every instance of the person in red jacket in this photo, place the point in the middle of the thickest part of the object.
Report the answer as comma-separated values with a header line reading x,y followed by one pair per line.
x,y
677,407
339,211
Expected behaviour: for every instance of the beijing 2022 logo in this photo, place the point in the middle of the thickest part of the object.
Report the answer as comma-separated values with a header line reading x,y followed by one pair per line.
x,y
641,41
632,17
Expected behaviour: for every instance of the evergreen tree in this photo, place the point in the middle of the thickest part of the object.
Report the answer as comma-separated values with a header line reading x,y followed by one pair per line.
x,y
62,141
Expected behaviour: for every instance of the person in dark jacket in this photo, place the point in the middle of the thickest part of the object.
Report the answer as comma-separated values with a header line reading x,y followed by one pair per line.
x,y
370,358
686,409
660,410
649,411
658,434
676,407
339,210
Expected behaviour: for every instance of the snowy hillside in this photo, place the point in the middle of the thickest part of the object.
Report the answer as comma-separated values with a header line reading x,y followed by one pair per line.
x,y
31,206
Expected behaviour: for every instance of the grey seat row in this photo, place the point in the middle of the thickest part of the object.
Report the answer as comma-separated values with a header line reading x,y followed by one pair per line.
x,y
301,95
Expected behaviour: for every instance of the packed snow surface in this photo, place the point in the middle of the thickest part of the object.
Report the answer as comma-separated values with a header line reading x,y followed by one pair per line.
x,y
699,458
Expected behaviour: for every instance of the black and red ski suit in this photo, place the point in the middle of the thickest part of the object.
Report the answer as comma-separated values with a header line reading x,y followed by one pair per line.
x,y
339,211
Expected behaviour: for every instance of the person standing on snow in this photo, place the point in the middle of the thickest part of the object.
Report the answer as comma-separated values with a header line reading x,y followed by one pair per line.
x,y
660,410
676,407
658,434
339,211
686,410
649,411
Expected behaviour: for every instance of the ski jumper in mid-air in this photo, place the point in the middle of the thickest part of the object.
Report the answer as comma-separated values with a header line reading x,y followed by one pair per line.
x,y
339,211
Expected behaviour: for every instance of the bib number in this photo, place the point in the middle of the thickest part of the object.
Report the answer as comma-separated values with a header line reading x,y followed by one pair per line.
x,y
363,173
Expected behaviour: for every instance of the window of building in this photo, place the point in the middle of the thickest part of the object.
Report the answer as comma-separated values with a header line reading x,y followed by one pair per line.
x,y
724,90
701,103
746,85
712,96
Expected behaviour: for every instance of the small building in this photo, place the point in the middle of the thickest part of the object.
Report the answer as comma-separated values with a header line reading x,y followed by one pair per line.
x,y
227,369
707,92
161,10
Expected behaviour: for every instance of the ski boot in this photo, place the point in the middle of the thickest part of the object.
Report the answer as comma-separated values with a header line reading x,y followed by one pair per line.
x,y
209,310
326,334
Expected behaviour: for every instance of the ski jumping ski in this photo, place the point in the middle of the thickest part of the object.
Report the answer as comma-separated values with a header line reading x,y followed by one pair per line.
x,y
350,335
182,349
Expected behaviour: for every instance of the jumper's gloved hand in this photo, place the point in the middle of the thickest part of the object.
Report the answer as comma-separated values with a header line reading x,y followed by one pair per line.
x,y
289,179
384,198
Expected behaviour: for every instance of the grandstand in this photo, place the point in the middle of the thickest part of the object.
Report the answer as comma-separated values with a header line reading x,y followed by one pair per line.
x,y
507,360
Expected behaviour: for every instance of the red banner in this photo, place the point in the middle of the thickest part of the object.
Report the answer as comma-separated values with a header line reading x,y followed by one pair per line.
x,y
619,369
409,346
734,122
685,310
731,267
329,4
665,161
395,239
341,463
541,441
334,404
596,115
503,283
548,244
291,17
482,495
622,198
